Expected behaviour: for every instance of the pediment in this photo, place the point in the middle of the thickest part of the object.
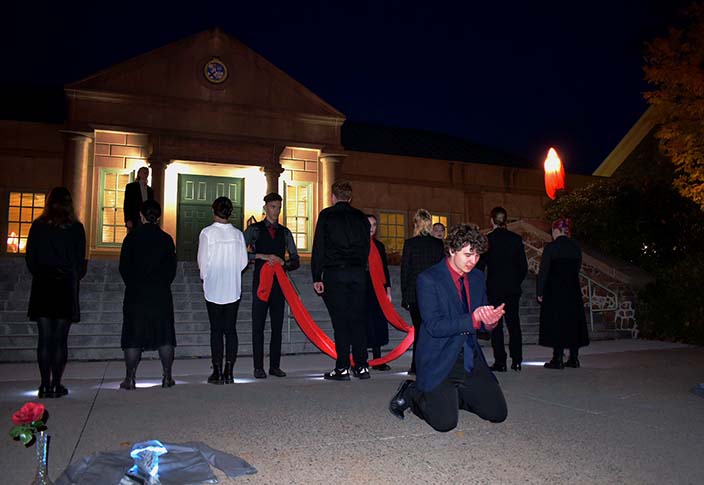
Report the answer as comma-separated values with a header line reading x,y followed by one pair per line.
x,y
178,71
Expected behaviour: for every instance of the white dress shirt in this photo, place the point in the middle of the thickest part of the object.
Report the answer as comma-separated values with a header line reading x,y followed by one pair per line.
x,y
222,256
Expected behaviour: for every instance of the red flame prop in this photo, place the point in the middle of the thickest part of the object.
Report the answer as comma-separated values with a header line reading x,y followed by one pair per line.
x,y
554,174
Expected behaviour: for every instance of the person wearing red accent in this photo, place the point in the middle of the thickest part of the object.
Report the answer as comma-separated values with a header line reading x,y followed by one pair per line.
x,y
377,325
451,371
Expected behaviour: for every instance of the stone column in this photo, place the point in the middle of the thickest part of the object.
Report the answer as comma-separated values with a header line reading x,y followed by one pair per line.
x,y
158,168
330,169
77,154
272,178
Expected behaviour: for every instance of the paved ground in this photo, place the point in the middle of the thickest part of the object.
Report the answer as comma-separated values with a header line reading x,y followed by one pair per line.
x,y
627,416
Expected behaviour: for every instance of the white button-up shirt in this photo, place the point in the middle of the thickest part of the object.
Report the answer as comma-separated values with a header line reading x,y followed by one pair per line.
x,y
222,256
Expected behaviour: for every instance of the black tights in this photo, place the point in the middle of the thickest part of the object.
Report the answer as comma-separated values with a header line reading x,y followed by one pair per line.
x,y
134,354
52,349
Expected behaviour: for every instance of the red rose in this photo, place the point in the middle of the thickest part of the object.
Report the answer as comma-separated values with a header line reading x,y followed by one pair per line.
x,y
30,412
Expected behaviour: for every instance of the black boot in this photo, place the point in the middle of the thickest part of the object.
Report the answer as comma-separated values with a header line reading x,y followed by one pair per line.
x,y
216,377
555,363
227,376
167,380
129,382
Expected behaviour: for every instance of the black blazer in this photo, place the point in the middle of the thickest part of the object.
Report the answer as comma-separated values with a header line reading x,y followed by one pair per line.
x,y
419,254
133,201
504,263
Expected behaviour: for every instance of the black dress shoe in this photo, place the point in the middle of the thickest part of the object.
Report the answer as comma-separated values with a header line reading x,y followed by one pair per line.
x,y
496,367
337,375
554,364
398,403
382,367
361,372
259,374
216,377
574,363
275,371
167,381
57,390
45,392
516,366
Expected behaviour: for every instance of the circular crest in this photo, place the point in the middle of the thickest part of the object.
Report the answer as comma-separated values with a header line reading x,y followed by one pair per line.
x,y
215,71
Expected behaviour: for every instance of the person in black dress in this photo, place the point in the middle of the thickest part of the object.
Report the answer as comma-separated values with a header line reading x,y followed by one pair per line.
x,y
377,325
419,253
562,320
135,193
56,249
148,266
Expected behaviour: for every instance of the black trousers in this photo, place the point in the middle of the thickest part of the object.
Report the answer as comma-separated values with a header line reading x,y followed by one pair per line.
x,y
477,392
223,321
513,323
416,319
275,307
345,297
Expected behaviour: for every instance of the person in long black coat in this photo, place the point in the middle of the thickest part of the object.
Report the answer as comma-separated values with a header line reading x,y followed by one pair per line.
x,y
148,266
562,320
419,253
56,249
135,193
377,325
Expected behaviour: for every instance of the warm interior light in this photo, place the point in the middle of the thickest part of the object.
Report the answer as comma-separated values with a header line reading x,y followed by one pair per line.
x,y
13,243
554,173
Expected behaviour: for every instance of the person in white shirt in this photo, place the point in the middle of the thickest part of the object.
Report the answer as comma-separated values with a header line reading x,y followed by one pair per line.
x,y
222,256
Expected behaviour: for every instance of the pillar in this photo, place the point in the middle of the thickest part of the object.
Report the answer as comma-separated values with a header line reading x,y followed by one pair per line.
x,y
77,155
158,168
330,170
272,178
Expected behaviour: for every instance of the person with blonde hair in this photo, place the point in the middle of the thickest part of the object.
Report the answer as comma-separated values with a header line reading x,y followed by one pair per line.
x,y
419,253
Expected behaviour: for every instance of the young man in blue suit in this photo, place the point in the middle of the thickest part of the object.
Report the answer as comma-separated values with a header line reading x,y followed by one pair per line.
x,y
451,372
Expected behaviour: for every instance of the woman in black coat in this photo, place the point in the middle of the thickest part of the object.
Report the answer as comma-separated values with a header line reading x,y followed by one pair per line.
x,y
56,249
562,321
148,266
377,325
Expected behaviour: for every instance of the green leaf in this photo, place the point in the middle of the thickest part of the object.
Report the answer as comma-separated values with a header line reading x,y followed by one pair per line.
x,y
26,437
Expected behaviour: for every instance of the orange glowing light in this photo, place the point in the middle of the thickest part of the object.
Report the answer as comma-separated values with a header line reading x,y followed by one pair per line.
x,y
13,243
554,174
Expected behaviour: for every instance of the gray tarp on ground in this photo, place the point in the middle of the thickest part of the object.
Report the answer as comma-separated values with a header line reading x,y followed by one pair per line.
x,y
184,464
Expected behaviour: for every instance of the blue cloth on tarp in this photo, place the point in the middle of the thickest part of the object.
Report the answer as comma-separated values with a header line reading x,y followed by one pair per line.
x,y
184,464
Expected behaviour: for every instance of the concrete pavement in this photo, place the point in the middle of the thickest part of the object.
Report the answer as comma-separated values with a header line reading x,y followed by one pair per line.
x,y
627,416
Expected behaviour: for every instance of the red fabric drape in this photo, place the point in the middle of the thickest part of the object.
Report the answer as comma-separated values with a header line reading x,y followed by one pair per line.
x,y
313,331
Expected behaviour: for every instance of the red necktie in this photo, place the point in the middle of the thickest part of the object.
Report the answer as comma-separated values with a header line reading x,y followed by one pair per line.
x,y
272,231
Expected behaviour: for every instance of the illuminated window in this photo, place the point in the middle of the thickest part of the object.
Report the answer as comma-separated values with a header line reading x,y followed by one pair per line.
x,y
24,207
391,230
111,223
440,218
297,213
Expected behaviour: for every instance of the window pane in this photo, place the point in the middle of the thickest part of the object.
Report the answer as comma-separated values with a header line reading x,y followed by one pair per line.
x,y
24,230
13,228
120,198
108,234
27,199
110,181
301,225
120,233
23,244
123,180
27,214
15,198
109,198
109,217
13,214
39,200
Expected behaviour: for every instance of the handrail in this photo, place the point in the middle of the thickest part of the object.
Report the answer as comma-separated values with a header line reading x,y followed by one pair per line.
x,y
593,307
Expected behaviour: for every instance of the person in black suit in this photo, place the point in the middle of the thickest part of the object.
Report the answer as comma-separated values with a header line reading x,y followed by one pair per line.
x,y
135,193
506,266
339,264
56,249
419,253
562,320
452,371
148,266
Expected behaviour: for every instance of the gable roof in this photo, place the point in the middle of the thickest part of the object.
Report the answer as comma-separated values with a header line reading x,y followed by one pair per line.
x,y
367,137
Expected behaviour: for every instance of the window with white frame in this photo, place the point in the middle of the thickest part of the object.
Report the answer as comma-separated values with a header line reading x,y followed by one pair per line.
x,y
23,208
391,230
297,213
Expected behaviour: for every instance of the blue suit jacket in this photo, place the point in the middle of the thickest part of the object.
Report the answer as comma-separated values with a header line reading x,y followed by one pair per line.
x,y
445,328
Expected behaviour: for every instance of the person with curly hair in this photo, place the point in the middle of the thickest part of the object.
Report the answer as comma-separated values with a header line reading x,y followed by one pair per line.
x,y
451,371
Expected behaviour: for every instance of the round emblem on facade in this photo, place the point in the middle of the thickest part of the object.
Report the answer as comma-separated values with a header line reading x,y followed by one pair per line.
x,y
215,71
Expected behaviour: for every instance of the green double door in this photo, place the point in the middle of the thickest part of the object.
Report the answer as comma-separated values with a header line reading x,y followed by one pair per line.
x,y
196,194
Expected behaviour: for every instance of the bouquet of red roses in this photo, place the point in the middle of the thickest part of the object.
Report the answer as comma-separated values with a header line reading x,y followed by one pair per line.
x,y
30,419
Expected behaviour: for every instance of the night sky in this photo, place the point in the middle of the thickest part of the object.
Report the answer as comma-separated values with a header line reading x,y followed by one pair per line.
x,y
519,76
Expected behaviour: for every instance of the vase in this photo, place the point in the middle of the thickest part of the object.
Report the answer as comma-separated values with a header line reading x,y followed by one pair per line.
x,y
41,447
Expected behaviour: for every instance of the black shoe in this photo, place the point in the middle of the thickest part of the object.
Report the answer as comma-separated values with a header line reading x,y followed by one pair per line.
x,y
516,366
58,390
337,375
554,364
361,372
411,372
275,371
382,367
45,392
129,383
216,377
574,363
167,380
496,367
398,403
227,377
259,374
